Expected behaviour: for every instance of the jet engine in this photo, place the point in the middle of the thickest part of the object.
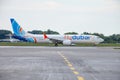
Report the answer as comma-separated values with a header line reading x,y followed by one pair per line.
x,y
67,42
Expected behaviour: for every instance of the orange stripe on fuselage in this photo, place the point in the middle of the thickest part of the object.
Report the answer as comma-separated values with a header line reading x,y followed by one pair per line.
x,y
20,29
35,40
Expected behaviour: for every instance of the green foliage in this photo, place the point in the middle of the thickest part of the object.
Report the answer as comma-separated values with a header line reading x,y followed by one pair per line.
x,y
51,32
4,34
41,32
36,32
71,33
100,35
115,38
86,33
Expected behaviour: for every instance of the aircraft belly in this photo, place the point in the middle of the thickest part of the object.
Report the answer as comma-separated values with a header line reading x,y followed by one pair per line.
x,y
44,41
82,41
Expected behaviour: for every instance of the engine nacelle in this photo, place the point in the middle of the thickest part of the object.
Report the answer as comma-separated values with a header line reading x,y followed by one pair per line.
x,y
67,42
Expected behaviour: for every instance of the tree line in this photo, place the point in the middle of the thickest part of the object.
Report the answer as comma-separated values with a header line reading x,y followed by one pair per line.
x,y
4,34
41,32
114,38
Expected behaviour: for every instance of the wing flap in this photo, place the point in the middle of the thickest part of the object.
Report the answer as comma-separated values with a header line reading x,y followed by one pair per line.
x,y
52,39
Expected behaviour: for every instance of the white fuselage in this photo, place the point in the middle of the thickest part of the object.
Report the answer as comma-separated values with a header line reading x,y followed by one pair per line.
x,y
72,38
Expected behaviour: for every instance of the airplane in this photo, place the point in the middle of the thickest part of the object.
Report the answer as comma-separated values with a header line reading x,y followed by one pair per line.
x,y
20,34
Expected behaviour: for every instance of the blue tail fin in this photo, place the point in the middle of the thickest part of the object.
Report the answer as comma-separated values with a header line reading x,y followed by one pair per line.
x,y
18,31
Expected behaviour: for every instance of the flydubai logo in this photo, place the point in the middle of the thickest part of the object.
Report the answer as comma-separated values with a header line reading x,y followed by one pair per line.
x,y
77,37
67,37
81,37
20,30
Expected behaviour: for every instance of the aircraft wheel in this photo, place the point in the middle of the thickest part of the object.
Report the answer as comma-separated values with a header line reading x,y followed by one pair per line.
x,y
56,44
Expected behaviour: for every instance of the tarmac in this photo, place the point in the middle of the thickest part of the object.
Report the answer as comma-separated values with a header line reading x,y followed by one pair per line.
x,y
59,63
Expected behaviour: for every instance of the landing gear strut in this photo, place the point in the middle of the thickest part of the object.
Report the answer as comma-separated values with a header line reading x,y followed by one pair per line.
x,y
56,44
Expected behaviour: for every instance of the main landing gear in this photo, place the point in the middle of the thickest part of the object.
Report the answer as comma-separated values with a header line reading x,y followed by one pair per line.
x,y
56,43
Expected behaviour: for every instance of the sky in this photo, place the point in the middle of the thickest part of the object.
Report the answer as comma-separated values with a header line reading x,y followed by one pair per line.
x,y
100,16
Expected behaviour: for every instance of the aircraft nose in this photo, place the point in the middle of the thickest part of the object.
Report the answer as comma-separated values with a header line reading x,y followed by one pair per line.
x,y
101,40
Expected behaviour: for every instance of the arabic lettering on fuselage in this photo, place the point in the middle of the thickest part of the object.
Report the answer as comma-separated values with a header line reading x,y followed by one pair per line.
x,y
77,37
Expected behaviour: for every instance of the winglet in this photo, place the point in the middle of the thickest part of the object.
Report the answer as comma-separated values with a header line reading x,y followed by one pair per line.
x,y
45,36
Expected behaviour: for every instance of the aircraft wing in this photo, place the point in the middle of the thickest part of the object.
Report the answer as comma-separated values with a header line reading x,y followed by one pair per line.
x,y
52,39
57,41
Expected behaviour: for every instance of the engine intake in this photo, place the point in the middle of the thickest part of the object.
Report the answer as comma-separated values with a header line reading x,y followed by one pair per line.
x,y
67,42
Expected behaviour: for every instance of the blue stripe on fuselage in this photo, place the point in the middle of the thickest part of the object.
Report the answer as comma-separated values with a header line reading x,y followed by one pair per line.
x,y
80,37
20,38
23,38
